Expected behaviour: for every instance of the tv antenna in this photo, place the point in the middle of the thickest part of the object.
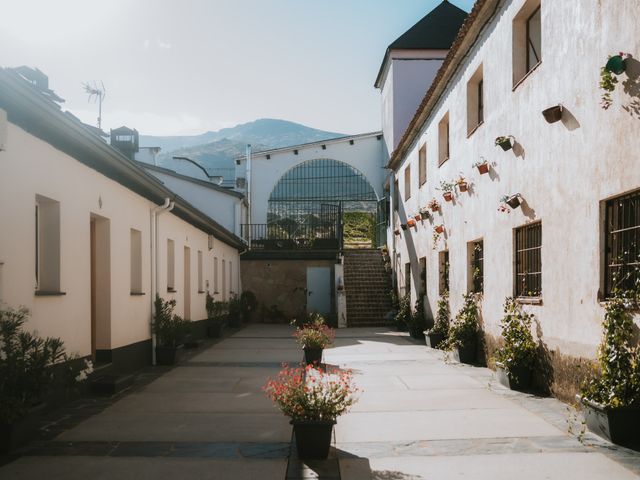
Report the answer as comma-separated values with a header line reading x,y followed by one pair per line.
x,y
96,94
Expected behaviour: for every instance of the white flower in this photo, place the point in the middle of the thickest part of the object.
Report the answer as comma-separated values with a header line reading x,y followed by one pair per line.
x,y
81,376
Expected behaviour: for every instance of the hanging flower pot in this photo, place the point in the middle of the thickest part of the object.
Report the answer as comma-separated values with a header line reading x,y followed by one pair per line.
x,y
424,214
434,205
463,186
616,64
411,222
483,168
504,143
553,114
448,196
403,226
513,201
418,217
397,231
439,229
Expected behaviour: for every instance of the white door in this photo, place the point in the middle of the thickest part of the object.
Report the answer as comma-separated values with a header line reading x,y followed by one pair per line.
x,y
319,290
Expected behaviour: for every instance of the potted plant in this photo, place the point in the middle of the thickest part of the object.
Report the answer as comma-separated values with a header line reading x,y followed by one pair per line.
x,y
397,231
553,114
462,184
434,205
417,322
411,222
447,190
504,142
313,398
616,65
516,358
32,368
314,336
482,165
436,335
512,200
424,213
417,217
403,226
612,401
463,333
248,304
169,329
217,314
403,317
439,229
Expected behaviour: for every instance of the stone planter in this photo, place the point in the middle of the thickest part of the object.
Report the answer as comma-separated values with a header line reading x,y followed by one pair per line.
x,y
313,438
166,355
465,353
518,379
433,340
618,425
312,356
416,333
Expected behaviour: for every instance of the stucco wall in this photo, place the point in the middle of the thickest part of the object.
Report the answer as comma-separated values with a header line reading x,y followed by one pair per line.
x,y
31,167
367,155
563,170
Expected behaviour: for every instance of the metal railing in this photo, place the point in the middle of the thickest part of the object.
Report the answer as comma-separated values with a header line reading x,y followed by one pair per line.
x,y
262,236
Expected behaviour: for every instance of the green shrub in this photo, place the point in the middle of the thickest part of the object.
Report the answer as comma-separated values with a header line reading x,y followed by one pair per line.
x,y
417,323
403,317
248,304
619,362
169,328
216,310
519,349
443,317
464,329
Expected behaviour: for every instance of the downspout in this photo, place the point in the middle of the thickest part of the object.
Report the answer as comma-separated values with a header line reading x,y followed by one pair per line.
x,y
249,233
153,254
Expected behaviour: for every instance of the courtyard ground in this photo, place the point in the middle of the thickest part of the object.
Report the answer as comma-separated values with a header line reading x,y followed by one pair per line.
x,y
418,418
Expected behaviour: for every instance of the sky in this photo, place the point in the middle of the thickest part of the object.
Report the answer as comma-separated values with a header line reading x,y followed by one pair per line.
x,y
184,67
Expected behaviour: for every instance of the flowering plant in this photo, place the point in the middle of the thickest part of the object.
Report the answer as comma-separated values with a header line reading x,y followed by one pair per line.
x,y
433,205
314,335
312,393
482,161
446,186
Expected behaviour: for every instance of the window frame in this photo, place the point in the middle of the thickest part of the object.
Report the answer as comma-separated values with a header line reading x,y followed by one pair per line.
x,y
444,268
529,67
171,266
476,286
517,292
407,182
422,165
444,144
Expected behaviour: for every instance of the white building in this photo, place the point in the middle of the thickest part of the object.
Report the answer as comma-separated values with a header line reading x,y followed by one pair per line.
x,y
578,179
87,237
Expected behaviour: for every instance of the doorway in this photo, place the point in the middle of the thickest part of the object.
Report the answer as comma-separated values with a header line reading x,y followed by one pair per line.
x,y
319,290
187,283
100,253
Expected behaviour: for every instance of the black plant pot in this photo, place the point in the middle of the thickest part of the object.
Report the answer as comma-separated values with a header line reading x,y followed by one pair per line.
x,y
15,434
313,438
552,114
424,215
312,356
433,340
465,353
215,328
518,379
514,201
616,64
506,145
403,226
618,425
166,355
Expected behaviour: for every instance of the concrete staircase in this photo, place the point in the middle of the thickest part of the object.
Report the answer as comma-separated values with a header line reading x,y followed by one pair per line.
x,y
367,287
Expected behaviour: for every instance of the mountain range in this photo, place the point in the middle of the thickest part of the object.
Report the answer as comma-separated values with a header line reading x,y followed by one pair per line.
x,y
216,150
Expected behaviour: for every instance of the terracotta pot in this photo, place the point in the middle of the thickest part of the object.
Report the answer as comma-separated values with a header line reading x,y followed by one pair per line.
x,y
418,217
448,196
411,222
463,186
483,168
439,229
434,208
396,231
552,114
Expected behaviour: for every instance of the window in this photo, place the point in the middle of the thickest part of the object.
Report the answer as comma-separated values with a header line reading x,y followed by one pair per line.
x,y
528,247
475,101
47,245
215,275
622,244
527,40
396,195
423,276
407,183
407,278
476,266
136,262
200,281
443,258
224,281
171,267
443,139
422,164
231,290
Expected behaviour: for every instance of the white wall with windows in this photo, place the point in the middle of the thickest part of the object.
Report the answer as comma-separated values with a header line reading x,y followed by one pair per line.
x,y
550,251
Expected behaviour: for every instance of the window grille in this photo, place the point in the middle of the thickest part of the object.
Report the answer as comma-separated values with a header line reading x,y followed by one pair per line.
x,y
528,247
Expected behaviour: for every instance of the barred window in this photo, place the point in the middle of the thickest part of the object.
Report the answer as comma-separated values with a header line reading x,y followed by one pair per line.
x,y
477,266
622,244
528,246
444,271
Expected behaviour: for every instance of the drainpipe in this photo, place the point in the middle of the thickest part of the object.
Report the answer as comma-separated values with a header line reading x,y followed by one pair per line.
x,y
248,153
167,206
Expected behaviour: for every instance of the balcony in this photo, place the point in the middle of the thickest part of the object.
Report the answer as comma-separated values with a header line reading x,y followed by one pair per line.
x,y
277,237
